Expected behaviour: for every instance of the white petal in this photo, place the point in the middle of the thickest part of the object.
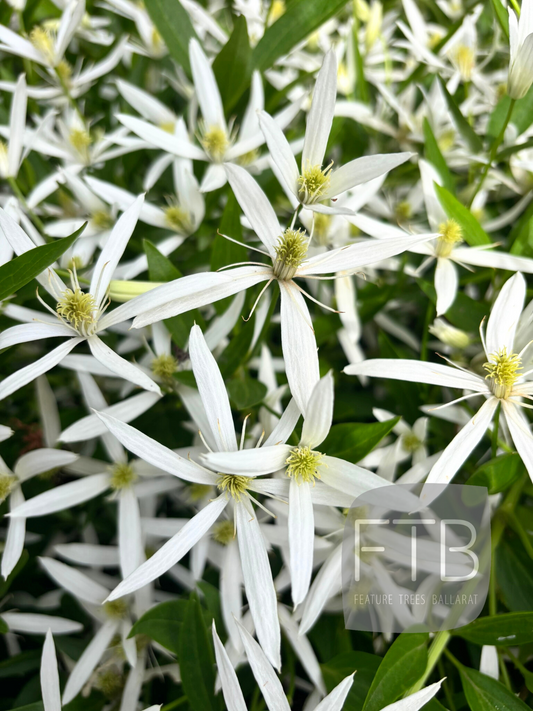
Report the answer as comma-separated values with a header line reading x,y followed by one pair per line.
x,y
25,375
349,478
16,531
230,684
214,178
120,366
154,453
362,170
417,371
320,116
259,586
285,426
414,702
434,209
492,258
260,460
39,461
302,647
462,444
75,582
49,411
326,585
446,284
18,45
162,139
256,206
89,660
334,701
231,591
70,19
280,151
505,314
206,87
146,104
31,623
317,422
50,689
17,125
88,554
63,497
266,678
173,550
212,391
489,661
301,529
129,532
298,344
521,434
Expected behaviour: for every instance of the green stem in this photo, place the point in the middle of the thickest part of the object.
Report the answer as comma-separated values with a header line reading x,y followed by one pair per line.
x,y
20,196
175,704
493,151
438,646
495,429
517,527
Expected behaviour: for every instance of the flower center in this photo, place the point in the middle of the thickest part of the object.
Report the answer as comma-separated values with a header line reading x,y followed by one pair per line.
x,y
302,463
410,442
403,210
122,475
215,142
43,40
164,366
102,220
321,229
80,139
290,253
78,309
7,482
223,532
168,126
198,491
313,182
450,234
503,372
464,58
277,9
110,682
248,158
177,218
116,609
233,485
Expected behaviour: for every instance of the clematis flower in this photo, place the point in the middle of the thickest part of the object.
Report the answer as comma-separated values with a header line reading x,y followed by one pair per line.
x,y
315,183
287,250
503,384
521,48
78,316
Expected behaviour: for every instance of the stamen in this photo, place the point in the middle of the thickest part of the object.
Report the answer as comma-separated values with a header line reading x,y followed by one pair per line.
x,y
177,218
43,40
78,309
122,475
223,532
116,609
164,366
290,253
7,482
215,142
321,227
410,442
234,485
302,463
313,182
450,234
503,372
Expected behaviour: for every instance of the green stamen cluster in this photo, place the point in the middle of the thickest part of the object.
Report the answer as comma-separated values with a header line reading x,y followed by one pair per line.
x,y
102,220
312,183
410,442
450,234
122,475
198,491
78,309
116,609
503,372
235,486
321,229
177,219
303,463
224,532
164,366
7,482
290,253
110,682
43,40
215,142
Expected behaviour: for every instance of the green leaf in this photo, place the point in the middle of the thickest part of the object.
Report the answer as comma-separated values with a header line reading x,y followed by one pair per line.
x,y
225,252
233,64
523,113
246,392
498,116
21,270
435,157
502,16
402,666
237,351
340,666
464,128
483,693
498,474
6,584
21,664
508,630
163,623
301,18
174,26
3,627
514,575
160,268
354,440
473,233
196,660
37,706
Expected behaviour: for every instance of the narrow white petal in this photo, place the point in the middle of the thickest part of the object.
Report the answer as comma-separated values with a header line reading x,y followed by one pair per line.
x,y
214,178
302,647
16,531
299,345
88,554
280,151
17,124
521,434
31,623
326,585
414,702
212,391
259,586
301,528
505,314
129,532
349,478
75,582
265,676
285,426
63,497
230,684
120,366
206,87
231,591
260,460
49,411
133,686
154,453
334,701
317,422
162,139
489,661
446,284
39,461
89,660
50,689
173,550
320,116
147,105
362,170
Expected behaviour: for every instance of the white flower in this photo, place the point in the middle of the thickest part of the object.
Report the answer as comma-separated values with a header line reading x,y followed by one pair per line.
x,y
315,183
521,48
503,384
78,316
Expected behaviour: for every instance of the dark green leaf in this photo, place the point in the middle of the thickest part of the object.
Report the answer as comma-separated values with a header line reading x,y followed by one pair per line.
x,y
402,666
498,474
514,575
233,64
340,666
464,128
174,26
508,630
196,660
354,440
37,706
3,627
435,157
224,251
498,116
6,584
21,270
483,693
502,16
301,18
246,392
523,112
473,233
20,664
163,623
237,351
160,268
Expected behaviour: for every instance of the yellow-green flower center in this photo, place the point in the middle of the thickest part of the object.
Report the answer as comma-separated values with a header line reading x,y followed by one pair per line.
x,y
7,482
248,158
116,609
78,308
80,139
43,40
450,234
321,229
198,491
303,463
177,218
215,142
403,210
503,372
164,365
102,220
234,485
224,532
110,682
122,475
290,253
465,59
312,183
410,442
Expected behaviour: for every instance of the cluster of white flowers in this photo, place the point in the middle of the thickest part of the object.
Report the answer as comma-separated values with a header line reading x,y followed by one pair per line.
x,y
83,132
